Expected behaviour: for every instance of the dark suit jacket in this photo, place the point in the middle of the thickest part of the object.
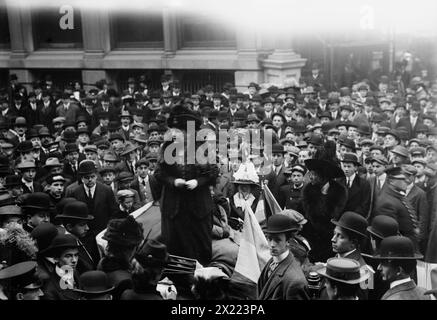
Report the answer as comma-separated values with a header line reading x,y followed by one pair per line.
x,y
358,198
405,122
417,198
104,204
53,291
290,197
276,181
406,291
287,282
36,188
393,204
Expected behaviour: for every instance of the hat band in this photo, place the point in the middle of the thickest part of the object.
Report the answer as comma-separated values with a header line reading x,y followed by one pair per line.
x,y
346,276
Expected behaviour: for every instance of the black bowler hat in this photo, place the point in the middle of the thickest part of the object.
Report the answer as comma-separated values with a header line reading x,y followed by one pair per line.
x,y
44,234
181,115
87,167
75,210
316,140
36,200
345,270
152,254
383,226
94,282
351,158
353,222
60,242
397,248
349,143
280,223
25,146
70,147
278,148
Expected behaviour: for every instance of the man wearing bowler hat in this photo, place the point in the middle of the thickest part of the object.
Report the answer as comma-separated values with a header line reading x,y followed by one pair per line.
x,y
358,196
276,177
398,258
28,172
94,285
282,277
98,197
36,208
392,202
75,219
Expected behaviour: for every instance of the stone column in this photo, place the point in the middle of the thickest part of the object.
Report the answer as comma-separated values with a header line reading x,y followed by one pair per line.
x,y
283,65
250,68
169,21
20,28
96,33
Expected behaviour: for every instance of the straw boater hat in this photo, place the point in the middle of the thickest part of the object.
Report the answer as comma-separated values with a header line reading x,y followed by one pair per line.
x,y
246,174
344,270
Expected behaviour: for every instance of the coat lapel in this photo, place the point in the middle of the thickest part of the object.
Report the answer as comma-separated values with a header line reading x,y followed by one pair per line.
x,y
275,278
402,287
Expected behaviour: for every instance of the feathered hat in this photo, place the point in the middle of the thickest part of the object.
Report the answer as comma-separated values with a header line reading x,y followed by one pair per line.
x,y
325,162
246,174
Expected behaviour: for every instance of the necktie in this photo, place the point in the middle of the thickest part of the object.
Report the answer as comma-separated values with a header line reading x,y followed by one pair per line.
x,y
89,194
31,188
378,183
143,182
272,268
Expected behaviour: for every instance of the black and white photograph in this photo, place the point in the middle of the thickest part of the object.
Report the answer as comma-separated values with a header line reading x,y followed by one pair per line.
x,y
229,151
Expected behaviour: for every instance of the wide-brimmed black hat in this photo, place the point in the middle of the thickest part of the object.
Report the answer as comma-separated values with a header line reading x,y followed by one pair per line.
x,y
36,200
279,223
327,168
354,222
383,226
152,254
125,232
181,115
345,270
94,282
87,167
43,234
60,242
397,248
75,210
25,147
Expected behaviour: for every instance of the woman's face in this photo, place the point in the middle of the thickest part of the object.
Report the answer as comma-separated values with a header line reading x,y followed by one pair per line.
x,y
244,189
315,178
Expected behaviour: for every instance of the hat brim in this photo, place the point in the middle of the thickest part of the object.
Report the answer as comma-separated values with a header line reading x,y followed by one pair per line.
x,y
281,231
364,275
328,169
372,231
347,228
350,161
49,250
88,217
416,256
248,182
94,292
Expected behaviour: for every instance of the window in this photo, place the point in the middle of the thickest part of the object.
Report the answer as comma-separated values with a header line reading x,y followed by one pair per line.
x,y
57,27
201,31
140,30
5,41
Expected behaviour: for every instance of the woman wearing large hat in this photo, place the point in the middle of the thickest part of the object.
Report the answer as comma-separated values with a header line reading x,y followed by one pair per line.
x,y
246,182
343,277
323,199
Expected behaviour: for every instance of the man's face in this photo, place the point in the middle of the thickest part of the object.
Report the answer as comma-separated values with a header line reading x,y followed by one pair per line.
x,y
312,149
4,106
108,177
419,168
252,90
303,155
428,122
125,121
57,126
345,113
388,273
56,188
369,167
38,218
333,107
79,229
352,132
72,157
91,155
348,168
378,168
342,130
414,113
277,244
297,178
127,203
83,138
137,131
117,144
390,141
21,130
68,258
89,180
142,170
278,159
268,107
29,174
154,148
277,121
397,159
344,149
431,155
341,242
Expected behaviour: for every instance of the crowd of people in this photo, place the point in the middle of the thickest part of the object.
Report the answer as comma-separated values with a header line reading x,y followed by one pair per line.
x,y
353,170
